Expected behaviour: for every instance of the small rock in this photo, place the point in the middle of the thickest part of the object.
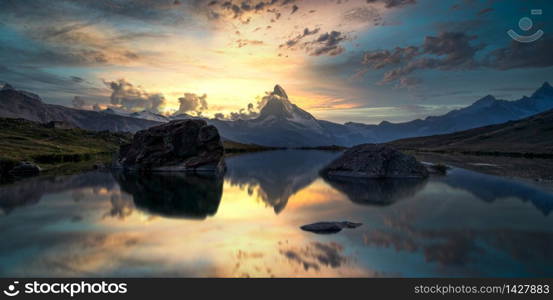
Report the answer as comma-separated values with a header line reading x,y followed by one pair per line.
x,y
25,169
329,227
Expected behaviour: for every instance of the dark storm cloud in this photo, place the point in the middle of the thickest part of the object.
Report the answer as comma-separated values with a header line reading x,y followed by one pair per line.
x,y
129,97
393,3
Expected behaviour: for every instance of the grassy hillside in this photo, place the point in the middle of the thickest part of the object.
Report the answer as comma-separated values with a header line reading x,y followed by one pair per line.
x,y
529,137
50,147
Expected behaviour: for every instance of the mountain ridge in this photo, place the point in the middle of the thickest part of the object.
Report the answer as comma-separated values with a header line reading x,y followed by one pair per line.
x,y
282,123
531,136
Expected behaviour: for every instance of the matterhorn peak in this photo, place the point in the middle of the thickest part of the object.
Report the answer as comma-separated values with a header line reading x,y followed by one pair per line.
x,y
279,91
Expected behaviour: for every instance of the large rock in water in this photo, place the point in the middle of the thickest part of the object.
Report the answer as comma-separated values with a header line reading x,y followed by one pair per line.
x,y
183,145
375,161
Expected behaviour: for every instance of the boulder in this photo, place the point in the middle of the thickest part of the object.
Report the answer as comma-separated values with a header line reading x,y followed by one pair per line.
x,y
329,227
182,146
375,161
24,169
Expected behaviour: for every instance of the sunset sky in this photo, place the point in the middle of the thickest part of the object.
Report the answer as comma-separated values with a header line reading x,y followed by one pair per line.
x,y
356,60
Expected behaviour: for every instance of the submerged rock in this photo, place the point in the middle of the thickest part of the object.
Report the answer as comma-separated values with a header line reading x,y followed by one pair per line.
x,y
183,146
329,227
375,161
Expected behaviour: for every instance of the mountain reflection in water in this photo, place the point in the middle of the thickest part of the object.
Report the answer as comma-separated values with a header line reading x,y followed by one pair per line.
x,y
278,174
119,224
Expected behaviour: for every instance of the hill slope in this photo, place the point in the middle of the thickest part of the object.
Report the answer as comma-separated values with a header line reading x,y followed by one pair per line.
x,y
532,136
30,141
21,104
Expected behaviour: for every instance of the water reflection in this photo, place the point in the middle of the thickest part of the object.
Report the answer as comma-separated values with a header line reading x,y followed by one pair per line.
x,y
277,174
173,195
377,191
31,190
490,188
103,224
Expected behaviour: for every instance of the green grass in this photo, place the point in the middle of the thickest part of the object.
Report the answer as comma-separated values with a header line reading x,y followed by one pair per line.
x,y
50,148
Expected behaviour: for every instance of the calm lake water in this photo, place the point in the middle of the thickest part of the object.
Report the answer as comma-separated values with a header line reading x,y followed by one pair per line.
x,y
247,224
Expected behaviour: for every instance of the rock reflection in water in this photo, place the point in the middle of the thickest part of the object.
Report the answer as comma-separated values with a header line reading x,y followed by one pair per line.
x,y
380,192
173,195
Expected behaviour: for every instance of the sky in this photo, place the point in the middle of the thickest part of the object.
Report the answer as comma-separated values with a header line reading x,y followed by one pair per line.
x,y
341,60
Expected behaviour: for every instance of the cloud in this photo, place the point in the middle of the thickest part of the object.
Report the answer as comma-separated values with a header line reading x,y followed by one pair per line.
x,y
125,95
294,9
192,103
455,51
243,114
447,51
316,255
244,42
77,79
383,58
294,41
327,44
408,82
78,102
243,10
521,55
485,11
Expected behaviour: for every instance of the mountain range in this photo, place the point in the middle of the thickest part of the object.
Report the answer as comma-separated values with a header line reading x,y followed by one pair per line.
x,y
532,135
283,124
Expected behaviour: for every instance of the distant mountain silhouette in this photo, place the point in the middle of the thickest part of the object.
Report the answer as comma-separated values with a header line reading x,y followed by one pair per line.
x,y
486,111
283,124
